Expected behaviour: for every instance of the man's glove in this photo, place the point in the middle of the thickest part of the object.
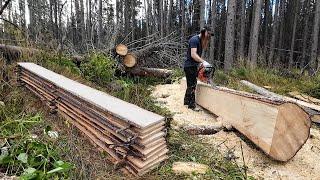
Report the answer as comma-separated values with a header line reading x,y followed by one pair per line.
x,y
206,64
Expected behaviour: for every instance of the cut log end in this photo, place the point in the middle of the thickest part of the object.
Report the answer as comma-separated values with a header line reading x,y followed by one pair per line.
x,y
122,49
292,131
130,60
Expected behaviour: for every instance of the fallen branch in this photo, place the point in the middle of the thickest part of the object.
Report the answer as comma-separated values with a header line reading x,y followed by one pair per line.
x,y
267,93
203,129
154,72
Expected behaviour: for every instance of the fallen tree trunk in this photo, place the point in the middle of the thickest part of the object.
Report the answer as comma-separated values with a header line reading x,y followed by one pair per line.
x,y
304,97
312,109
203,130
154,72
267,93
277,127
14,53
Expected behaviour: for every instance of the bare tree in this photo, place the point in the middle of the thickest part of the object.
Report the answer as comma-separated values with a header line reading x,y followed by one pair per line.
x,y
229,45
202,13
305,34
242,31
255,34
213,27
296,6
315,37
274,33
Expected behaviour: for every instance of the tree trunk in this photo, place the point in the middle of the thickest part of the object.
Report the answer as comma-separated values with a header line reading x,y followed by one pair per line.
x,y
183,15
267,20
242,32
296,7
147,13
279,57
213,28
100,24
161,18
274,34
255,34
202,13
305,34
315,37
169,17
229,45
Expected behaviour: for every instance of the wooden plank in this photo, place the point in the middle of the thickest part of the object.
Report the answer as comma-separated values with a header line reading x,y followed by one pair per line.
x,y
133,114
279,129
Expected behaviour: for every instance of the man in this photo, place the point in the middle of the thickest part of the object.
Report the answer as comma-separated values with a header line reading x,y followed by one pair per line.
x,y
197,43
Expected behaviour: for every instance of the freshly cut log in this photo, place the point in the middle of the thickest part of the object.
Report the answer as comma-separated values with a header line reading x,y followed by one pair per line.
x,y
278,128
203,130
304,97
130,60
154,72
121,49
312,109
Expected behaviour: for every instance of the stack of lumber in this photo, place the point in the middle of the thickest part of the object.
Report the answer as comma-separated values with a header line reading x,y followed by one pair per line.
x,y
133,137
277,127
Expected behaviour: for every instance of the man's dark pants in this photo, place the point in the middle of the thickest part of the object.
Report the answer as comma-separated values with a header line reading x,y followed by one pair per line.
x,y
191,75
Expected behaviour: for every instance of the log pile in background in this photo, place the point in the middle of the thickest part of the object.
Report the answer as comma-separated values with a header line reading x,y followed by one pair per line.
x,y
150,56
309,104
133,137
277,127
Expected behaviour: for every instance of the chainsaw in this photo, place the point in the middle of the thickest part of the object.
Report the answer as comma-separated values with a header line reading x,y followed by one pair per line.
x,y
205,74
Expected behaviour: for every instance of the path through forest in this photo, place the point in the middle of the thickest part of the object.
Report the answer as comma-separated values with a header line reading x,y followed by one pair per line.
x,y
305,165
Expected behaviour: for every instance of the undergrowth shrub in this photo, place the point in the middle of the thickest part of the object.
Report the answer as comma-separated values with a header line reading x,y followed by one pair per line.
x,y
99,69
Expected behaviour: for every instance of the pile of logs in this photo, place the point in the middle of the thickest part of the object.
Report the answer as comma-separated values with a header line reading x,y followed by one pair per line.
x,y
133,137
133,62
279,128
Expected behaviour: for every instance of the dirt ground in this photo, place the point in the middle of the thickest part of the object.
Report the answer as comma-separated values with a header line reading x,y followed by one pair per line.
x,y
305,165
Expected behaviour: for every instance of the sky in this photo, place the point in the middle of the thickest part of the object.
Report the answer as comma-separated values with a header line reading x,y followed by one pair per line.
x,y
67,7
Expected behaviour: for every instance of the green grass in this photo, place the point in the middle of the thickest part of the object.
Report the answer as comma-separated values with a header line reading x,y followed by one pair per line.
x,y
24,153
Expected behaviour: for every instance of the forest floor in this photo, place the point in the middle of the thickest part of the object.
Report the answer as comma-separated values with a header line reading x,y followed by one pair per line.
x,y
305,165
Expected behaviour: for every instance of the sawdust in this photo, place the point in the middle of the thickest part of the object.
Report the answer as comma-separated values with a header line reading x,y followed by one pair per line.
x,y
305,165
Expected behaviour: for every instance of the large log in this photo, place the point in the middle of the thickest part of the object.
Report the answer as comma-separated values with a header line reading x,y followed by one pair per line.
x,y
278,128
310,108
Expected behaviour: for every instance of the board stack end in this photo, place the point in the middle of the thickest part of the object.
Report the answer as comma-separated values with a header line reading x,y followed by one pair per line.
x,y
133,137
